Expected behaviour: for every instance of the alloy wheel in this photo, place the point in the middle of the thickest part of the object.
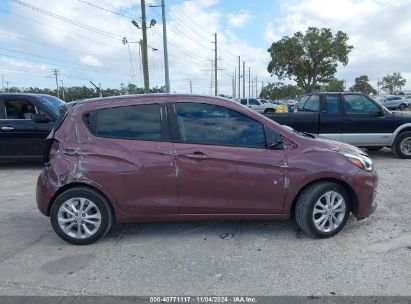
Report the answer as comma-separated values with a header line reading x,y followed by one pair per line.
x,y
329,211
406,146
79,218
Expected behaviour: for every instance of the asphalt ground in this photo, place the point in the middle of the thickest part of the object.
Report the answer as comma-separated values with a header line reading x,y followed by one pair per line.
x,y
368,257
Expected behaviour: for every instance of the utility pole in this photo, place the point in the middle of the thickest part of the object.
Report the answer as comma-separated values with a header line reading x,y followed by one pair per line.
x,y
62,89
256,87
235,83
166,71
7,83
2,82
239,77
144,47
243,79
191,88
56,72
252,88
215,64
249,82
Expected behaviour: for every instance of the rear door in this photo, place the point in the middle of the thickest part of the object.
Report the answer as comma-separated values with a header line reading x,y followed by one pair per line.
x,y
20,135
331,116
223,164
364,122
255,105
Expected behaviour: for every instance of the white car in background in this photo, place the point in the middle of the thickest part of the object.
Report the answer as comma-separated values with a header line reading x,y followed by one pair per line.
x,y
393,102
258,105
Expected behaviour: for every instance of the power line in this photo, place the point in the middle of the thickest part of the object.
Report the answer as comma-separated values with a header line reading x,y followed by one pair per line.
x,y
79,24
107,10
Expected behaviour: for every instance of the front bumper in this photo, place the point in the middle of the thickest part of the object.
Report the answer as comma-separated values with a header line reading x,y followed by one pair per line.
x,y
365,186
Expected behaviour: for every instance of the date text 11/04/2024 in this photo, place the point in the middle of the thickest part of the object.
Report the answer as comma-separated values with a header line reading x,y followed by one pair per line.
x,y
202,299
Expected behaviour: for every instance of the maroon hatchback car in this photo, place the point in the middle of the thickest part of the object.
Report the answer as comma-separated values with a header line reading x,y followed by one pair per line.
x,y
186,157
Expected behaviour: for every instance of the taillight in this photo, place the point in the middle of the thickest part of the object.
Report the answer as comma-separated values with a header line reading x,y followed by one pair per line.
x,y
47,149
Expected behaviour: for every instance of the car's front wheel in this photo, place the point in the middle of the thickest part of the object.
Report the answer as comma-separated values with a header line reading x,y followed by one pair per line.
x,y
402,107
322,209
269,111
81,216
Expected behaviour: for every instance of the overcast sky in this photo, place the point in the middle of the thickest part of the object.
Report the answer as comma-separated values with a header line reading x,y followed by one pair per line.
x,y
87,44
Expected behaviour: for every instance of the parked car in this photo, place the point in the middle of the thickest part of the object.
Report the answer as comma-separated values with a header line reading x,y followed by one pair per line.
x,y
176,157
25,122
353,118
393,102
258,106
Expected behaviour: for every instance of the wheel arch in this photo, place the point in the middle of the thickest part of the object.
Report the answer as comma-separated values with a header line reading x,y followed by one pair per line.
x,y
345,185
403,128
75,185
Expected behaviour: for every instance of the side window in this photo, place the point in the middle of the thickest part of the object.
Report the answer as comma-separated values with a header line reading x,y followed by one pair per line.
x,y
312,104
139,122
253,102
19,109
207,124
244,102
359,104
332,106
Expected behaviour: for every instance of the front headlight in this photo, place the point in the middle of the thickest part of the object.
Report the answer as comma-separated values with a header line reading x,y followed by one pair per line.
x,y
361,161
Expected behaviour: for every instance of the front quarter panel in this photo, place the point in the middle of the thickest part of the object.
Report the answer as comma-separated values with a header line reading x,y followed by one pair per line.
x,y
307,166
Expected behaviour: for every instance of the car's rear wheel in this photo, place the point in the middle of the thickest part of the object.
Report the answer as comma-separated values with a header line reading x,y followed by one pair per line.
x,y
269,111
81,216
322,209
402,145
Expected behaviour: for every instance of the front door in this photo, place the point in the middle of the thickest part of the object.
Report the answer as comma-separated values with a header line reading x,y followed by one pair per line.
x,y
20,135
224,166
364,122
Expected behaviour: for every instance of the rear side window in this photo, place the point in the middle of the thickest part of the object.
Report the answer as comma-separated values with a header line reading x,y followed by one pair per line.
x,y
138,122
332,106
19,109
311,104
208,124
253,102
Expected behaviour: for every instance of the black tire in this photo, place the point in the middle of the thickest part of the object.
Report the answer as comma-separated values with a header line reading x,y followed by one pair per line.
x,y
374,148
399,140
402,107
93,196
305,204
269,111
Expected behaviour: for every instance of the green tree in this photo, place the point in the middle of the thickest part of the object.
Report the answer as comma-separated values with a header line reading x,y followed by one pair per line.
x,y
279,90
392,83
334,85
311,59
361,85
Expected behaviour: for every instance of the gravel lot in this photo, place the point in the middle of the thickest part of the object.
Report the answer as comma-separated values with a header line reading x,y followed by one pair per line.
x,y
370,257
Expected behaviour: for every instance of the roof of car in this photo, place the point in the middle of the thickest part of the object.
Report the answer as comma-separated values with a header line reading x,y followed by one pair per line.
x,y
148,96
24,94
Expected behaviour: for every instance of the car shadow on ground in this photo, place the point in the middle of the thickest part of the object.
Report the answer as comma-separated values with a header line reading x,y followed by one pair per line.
x,y
383,153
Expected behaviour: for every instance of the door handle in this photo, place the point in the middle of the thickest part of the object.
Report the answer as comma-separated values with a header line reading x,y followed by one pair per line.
x,y
7,128
196,155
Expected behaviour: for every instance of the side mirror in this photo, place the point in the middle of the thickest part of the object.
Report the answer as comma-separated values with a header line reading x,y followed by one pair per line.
x,y
276,145
41,118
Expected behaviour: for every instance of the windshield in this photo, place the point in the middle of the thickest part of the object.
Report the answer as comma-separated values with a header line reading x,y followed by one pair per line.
x,y
52,103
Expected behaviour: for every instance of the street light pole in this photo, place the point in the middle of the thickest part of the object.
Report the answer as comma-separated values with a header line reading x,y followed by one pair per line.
x,y
166,71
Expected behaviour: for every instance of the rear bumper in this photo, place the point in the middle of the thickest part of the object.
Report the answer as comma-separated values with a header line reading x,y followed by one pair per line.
x,y
365,185
44,193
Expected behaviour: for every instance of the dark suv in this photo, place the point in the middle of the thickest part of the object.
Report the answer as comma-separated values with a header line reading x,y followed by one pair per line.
x,y
25,122
185,157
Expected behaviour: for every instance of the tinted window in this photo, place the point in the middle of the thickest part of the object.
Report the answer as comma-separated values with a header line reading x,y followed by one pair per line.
x,y
312,104
332,104
244,101
52,103
359,104
215,125
142,122
253,102
19,109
